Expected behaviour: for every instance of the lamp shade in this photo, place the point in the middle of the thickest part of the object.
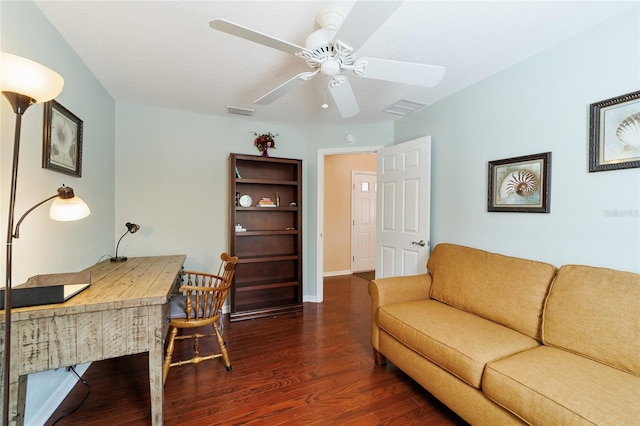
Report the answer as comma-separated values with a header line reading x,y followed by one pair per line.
x,y
29,78
66,210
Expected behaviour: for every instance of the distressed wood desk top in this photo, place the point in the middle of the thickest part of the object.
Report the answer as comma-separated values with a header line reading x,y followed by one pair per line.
x,y
139,281
124,311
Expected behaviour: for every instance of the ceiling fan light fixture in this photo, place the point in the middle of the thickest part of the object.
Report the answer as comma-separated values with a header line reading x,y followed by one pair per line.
x,y
330,68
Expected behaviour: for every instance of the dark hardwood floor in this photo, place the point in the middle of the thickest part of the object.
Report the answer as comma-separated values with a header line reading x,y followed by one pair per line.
x,y
311,368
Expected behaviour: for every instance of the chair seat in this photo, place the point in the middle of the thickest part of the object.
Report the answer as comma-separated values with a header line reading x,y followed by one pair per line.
x,y
179,307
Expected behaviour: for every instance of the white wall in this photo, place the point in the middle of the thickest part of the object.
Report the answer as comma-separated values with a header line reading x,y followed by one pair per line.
x,y
172,179
45,246
539,105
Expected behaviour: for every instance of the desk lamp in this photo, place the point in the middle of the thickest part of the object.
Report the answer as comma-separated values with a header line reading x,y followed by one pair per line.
x,y
24,82
131,228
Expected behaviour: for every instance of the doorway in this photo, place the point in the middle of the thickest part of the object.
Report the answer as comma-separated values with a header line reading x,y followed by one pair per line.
x,y
320,213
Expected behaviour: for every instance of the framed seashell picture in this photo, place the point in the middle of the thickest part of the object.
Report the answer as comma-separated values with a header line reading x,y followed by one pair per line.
x,y
614,133
520,184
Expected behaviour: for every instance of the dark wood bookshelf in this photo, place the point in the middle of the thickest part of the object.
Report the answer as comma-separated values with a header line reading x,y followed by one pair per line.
x,y
268,278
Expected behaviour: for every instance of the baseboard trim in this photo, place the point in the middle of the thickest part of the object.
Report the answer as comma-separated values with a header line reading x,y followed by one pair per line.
x,y
49,407
337,273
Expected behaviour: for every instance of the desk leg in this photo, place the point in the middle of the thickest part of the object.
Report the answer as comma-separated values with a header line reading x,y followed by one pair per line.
x,y
22,399
17,400
156,357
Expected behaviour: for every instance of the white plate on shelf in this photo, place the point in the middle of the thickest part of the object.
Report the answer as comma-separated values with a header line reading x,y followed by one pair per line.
x,y
245,201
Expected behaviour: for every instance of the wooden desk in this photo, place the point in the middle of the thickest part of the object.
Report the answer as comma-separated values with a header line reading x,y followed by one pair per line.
x,y
123,312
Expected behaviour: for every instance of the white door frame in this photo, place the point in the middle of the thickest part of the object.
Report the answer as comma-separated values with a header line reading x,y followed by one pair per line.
x,y
320,207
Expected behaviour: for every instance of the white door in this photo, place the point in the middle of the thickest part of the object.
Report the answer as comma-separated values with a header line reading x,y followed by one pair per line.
x,y
404,180
363,211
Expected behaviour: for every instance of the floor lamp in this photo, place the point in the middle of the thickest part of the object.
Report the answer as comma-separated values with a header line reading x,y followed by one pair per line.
x,y
24,82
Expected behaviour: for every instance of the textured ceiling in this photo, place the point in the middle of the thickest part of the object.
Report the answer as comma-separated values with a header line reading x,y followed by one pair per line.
x,y
163,53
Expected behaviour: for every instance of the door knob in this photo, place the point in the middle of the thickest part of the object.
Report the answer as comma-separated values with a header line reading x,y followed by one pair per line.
x,y
420,243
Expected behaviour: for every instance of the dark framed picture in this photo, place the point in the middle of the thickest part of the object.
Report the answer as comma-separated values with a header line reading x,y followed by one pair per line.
x,y
520,184
62,148
614,133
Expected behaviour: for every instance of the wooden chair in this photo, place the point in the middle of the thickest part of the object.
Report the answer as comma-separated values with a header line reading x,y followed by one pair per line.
x,y
200,305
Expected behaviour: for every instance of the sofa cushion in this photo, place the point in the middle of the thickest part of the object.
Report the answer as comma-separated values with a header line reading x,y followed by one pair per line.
x,y
507,290
459,342
595,312
550,386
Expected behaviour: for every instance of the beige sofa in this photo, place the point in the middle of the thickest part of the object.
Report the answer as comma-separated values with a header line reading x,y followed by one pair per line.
x,y
502,340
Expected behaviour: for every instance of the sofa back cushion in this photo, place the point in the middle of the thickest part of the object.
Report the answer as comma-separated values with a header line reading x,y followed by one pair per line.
x,y
595,312
507,290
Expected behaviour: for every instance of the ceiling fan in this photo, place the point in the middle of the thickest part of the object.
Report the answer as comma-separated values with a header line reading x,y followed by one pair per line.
x,y
330,51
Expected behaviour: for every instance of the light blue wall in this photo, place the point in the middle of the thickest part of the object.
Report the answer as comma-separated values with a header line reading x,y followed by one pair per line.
x,y
172,179
45,246
167,170
539,105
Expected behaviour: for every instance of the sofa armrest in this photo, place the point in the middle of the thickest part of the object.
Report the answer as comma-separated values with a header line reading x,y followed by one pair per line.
x,y
384,291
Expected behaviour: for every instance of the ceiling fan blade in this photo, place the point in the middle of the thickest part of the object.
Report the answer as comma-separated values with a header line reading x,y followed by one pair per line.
x,y
400,72
343,96
286,87
255,36
364,19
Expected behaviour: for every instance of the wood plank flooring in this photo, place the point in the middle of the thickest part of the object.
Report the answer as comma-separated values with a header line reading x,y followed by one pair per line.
x,y
304,369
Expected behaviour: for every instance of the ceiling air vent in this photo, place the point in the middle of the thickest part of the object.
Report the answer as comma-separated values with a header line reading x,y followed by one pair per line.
x,y
404,107
240,111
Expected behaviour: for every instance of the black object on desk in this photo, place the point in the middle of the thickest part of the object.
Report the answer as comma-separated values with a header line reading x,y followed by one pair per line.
x,y
47,289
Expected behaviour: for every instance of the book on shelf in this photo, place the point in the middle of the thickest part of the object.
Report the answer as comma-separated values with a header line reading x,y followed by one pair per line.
x,y
266,202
